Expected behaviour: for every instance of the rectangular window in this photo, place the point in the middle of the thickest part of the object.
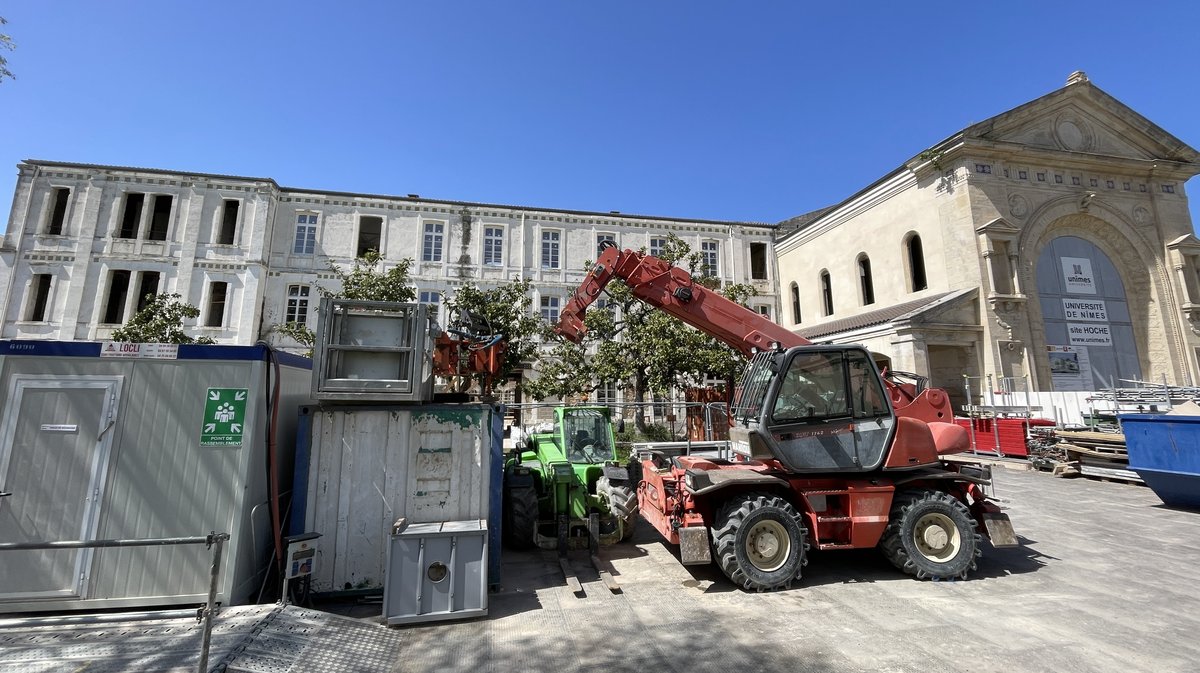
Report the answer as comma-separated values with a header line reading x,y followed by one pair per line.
x,y
550,309
1041,177
118,287
710,257
1024,175
606,393
1075,180
1094,182
131,218
370,230
600,239
758,261
1168,189
1125,186
40,298
160,218
297,304
1058,179
147,288
493,246
432,299
58,211
764,310
229,218
306,234
550,244
217,292
431,250
983,168
1110,184
657,245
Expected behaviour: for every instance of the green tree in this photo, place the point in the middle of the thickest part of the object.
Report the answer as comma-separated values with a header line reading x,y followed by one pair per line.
x,y
364,281
6,44
505,310
160,321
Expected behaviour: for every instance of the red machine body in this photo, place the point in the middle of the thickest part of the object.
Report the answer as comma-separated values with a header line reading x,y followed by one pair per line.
x,y
909,502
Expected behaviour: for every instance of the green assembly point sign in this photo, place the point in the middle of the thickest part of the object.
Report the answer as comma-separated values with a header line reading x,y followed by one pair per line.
x,y
224,417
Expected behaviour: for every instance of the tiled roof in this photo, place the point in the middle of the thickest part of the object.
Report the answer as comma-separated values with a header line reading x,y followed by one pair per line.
x,y
878,317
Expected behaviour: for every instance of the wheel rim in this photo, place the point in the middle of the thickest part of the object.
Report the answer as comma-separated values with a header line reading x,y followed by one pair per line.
x,y
768,545
936,537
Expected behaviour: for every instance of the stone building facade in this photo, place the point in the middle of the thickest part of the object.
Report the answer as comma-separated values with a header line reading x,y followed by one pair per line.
x,y
1050,244
86,242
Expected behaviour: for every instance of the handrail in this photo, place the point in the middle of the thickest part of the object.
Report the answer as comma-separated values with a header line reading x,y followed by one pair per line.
x,y
215,541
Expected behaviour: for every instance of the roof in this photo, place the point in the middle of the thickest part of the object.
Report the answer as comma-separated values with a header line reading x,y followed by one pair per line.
x,y
410,198
895,313
801,221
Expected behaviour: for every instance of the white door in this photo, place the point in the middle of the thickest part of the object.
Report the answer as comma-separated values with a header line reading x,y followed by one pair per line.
x,y
54,447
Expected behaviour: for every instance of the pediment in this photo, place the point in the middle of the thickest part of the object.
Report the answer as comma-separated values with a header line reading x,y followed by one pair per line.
x,y
1080,118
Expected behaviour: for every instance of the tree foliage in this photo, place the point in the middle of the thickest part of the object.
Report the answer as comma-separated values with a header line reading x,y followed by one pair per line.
x,y
366,282
160,321
6,44
507,311
641,347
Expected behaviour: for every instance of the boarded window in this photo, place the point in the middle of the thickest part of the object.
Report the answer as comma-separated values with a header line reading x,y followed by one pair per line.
x,y
229,218
118,288
369,232
147,288
758,261
58,211
160,218
40,297
215,317
131,218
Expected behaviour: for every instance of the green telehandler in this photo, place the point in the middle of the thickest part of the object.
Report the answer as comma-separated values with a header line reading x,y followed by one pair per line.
x,y
564,488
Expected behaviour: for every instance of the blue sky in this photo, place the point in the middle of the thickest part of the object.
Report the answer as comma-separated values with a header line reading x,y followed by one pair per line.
x,y
752,111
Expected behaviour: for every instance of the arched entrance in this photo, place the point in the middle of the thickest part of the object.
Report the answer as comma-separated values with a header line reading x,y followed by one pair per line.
x,y
1085,312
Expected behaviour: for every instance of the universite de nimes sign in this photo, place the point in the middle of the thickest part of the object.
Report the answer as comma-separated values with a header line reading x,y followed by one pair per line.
x,y
224,417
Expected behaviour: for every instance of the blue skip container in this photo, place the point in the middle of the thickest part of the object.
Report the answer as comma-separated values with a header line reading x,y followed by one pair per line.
x,y
1165,452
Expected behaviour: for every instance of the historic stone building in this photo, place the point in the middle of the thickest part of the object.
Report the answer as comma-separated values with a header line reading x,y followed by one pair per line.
x,y
85,243
1051,243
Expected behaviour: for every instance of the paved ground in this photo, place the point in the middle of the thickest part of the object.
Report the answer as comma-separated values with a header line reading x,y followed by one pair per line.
x,y
1105,581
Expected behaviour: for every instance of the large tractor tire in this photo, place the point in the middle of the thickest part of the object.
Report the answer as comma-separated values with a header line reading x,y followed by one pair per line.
x,y
931,535
622,503
520,517
760,541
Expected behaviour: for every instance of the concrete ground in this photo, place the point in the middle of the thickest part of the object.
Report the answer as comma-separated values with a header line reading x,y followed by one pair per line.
x,y
1105,581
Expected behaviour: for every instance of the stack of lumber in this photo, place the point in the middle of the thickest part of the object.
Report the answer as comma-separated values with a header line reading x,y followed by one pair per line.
x,y
1096,454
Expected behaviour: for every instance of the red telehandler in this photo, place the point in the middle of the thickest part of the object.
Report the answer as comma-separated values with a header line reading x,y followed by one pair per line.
x,y
828,452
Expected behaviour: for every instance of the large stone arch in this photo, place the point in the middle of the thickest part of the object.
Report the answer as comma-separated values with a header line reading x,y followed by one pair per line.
x,y
1142,271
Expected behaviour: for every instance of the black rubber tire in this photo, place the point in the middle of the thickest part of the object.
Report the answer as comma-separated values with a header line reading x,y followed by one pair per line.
x,y
903,542
520,517
738,519
622,504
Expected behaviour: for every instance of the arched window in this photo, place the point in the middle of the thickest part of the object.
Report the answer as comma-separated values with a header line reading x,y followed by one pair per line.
x,y
916,263
795,304
826,293
864,279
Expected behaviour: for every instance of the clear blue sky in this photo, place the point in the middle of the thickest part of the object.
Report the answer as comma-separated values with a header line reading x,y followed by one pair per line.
x,y
725,110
